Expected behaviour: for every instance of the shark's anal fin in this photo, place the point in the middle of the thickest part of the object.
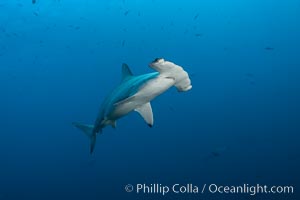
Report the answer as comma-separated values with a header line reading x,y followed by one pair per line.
x,y
146,112
113,123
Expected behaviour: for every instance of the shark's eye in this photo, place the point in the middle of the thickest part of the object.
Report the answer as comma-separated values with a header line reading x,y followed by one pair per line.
x,y
157,59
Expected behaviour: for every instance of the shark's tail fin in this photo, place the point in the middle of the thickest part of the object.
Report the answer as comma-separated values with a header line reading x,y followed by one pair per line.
x,y
89,131
169,69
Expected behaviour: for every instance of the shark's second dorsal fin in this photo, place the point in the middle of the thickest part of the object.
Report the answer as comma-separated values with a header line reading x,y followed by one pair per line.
x,y
126,72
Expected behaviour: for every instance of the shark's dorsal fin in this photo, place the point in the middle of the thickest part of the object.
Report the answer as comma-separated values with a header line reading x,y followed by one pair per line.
x,y
146,112
126,72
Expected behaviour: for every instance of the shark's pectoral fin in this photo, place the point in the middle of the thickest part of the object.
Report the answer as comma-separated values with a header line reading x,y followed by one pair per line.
x,y
146,112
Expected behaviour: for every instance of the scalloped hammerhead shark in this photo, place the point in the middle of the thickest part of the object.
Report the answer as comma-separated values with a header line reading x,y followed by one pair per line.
x,y
135,93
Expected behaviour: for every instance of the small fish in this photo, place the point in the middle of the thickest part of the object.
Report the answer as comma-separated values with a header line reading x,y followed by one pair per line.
x,y
126,12
249,74
216,153
36,13
198,34
33,1
252,83
269,48
123,43
220,150
196,16
171,108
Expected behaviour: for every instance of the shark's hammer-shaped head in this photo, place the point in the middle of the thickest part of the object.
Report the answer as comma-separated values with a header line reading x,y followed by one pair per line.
x,y
171,70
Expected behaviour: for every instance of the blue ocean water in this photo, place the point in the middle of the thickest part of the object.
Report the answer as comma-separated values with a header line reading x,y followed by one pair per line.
x,y
239,124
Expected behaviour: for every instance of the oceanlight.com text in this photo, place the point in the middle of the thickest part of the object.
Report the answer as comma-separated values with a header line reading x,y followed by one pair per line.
x,y
163,189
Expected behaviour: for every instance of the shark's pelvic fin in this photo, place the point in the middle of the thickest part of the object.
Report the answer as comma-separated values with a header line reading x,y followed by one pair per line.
x,y
89,131
126,72
146,112
113,123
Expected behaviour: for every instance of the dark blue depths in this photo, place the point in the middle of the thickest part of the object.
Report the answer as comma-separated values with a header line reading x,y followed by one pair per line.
x,y
239,124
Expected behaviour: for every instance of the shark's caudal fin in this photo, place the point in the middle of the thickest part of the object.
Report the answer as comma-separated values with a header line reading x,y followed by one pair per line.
x,y
171,70
89,131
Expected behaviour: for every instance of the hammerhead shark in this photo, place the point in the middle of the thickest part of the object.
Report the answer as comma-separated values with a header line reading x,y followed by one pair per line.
x,y
135,93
